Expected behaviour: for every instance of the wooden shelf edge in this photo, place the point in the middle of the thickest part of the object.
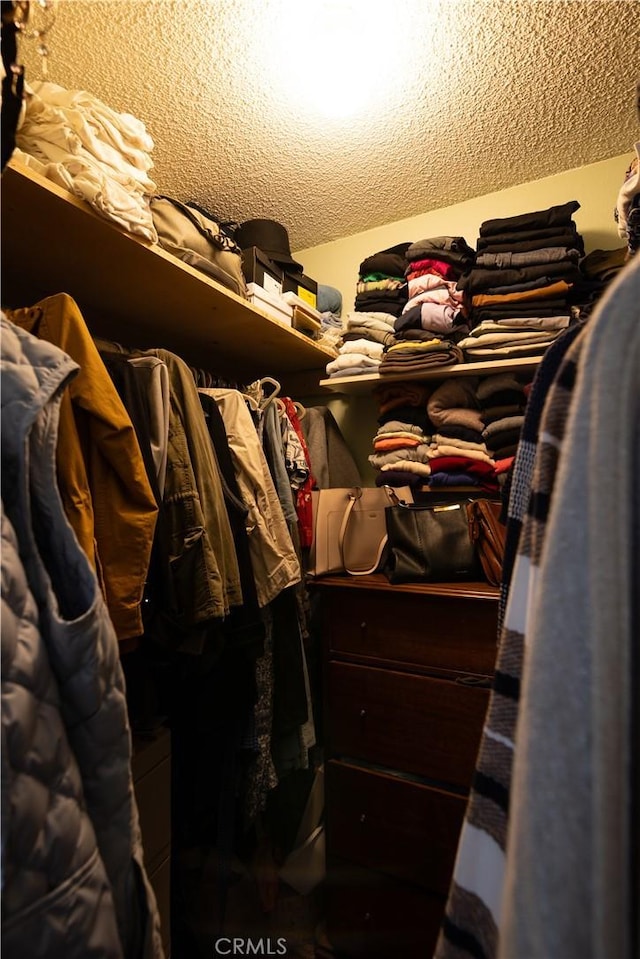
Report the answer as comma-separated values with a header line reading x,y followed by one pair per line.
x,y
368,381
183,309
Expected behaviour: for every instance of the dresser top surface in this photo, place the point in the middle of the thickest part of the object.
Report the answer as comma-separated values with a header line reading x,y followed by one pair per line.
x,y
380,583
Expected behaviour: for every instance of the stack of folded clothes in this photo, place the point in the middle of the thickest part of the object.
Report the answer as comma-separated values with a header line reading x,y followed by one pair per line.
x,y
519,292
502,399
94,152
382,287
412,358
458,454
376,327
361,344
381,296
432,320
401,443
331,330
599,268
356,357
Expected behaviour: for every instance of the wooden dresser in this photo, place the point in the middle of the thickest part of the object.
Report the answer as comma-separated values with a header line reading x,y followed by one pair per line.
x,y
407,675
151,769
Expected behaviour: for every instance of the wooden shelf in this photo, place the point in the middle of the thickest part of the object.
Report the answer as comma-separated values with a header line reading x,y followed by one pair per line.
x,y
136,293
368,381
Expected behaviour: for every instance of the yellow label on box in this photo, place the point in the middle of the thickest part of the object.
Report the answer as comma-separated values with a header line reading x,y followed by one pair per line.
x,y
307,296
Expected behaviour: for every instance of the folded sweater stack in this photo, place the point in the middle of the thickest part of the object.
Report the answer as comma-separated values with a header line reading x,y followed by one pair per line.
x,y
432,320
381,286
502,399
401,443
519,292
381,296
458,454
363,339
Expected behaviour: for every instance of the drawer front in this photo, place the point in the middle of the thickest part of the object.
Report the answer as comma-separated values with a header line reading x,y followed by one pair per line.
x,y
441,632
153,796
160,881
148,751
372,918
415,724
401,828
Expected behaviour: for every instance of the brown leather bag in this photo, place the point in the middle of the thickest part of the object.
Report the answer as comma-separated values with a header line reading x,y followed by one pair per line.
x,y
488,535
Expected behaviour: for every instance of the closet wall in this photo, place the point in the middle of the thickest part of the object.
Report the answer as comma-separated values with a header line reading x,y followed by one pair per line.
x,y
595,186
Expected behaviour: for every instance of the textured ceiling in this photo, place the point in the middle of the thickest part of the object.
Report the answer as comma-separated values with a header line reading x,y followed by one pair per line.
x,y
334,116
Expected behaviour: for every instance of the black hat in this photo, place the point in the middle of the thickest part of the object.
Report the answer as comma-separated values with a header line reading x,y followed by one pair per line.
x,y
269,236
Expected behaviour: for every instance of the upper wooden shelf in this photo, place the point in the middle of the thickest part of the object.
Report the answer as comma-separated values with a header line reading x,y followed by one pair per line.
x,y
368,381
136,293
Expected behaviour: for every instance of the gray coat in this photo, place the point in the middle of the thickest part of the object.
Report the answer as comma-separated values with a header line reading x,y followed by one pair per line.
x,y
73,876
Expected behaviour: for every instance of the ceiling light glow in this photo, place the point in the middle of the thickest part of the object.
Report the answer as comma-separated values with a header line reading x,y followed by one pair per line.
x,y
333,59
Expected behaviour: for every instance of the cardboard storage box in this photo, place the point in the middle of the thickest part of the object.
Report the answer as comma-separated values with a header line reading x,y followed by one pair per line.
x,y
303,286
259,269
305,318
270,303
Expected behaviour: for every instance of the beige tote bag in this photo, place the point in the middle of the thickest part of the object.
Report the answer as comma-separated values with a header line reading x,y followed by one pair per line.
x,y
349,529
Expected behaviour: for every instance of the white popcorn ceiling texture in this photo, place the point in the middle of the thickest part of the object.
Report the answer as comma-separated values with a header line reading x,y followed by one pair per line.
x,y
458,98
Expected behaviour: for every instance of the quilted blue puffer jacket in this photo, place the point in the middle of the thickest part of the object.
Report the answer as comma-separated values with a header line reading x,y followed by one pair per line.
x,y
56,898
73,879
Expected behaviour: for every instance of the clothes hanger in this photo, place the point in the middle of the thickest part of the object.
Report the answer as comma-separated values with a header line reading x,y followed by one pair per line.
x,y
265,400
108,346
299,408
251,402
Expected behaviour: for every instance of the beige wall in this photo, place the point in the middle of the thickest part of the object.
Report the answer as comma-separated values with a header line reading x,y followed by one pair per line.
x,y
595,186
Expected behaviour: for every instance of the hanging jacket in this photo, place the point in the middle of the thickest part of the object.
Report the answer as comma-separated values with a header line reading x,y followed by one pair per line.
x,y
51,866
80,644
204,565
103,482
273,557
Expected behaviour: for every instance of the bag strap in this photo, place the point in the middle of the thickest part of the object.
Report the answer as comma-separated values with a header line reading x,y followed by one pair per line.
x,y
220,239
353,499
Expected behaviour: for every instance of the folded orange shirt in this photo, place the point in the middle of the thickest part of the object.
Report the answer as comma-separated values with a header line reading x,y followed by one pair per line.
x,y
559,288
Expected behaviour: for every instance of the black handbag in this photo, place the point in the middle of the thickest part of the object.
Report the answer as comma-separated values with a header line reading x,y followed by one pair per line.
x,y
429,542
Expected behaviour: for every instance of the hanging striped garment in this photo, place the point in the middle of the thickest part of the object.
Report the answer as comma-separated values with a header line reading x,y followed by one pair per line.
x,y
471,923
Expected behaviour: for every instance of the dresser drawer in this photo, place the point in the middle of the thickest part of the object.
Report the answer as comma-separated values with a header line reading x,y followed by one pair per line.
x,y
443,632
160,880
371,917
402,828
151,767
415,724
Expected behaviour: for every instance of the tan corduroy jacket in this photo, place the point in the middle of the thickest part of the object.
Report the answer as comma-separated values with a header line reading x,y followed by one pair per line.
x,y
101,474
